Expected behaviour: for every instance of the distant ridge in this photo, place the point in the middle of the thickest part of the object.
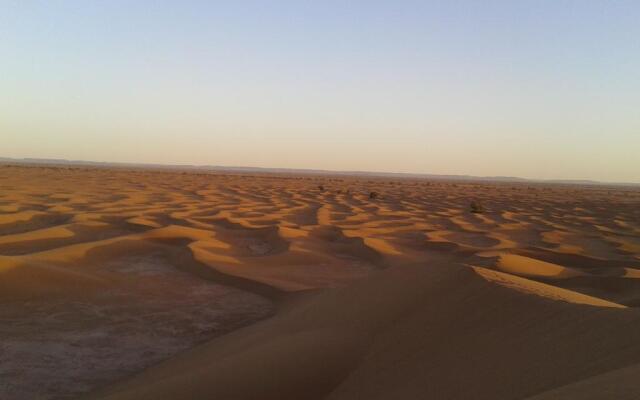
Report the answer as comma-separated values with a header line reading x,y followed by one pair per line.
x,y
219,168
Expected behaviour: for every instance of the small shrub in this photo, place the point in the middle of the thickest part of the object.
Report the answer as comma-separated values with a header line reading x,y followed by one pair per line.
x,y
321,188
476,207
373,195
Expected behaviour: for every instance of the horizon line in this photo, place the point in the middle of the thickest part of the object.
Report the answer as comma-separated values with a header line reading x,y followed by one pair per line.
x,y
495,178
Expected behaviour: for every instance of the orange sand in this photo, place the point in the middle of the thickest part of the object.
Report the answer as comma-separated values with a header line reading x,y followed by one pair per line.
x,y
406,296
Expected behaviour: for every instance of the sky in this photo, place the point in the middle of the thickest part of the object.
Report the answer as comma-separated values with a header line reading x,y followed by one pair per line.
x,y
538,89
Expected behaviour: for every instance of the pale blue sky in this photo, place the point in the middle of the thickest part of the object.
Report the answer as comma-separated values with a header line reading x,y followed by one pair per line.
x,y
540,89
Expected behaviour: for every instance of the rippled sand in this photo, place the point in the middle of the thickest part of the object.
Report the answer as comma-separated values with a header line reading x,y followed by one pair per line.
x,y
104,272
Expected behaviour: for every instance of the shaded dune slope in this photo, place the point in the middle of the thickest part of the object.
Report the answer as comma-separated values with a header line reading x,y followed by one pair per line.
x,y
437,331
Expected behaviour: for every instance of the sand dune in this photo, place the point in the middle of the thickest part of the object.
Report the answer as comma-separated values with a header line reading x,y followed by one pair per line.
x,y
440,331
408,295
619,384
526,266
541,289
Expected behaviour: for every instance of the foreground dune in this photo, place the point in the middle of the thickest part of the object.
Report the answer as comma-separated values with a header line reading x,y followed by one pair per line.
x,y
405,295
437,331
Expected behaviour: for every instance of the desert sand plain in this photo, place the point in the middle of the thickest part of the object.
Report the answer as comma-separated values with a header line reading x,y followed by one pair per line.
x,y
141,284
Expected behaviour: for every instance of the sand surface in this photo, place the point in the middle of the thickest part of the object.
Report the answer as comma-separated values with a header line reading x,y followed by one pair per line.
x,y
57,348
109,278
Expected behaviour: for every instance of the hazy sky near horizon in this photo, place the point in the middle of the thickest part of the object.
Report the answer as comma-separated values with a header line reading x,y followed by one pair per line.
x,y
539,89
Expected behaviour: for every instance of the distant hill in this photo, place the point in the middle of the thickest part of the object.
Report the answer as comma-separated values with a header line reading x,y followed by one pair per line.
x,y
219,168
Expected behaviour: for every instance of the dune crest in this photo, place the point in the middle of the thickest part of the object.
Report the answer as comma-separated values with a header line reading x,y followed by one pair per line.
x,y
541,289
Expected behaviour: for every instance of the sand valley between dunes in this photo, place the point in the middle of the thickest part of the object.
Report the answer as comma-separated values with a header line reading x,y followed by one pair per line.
x,y
155,284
